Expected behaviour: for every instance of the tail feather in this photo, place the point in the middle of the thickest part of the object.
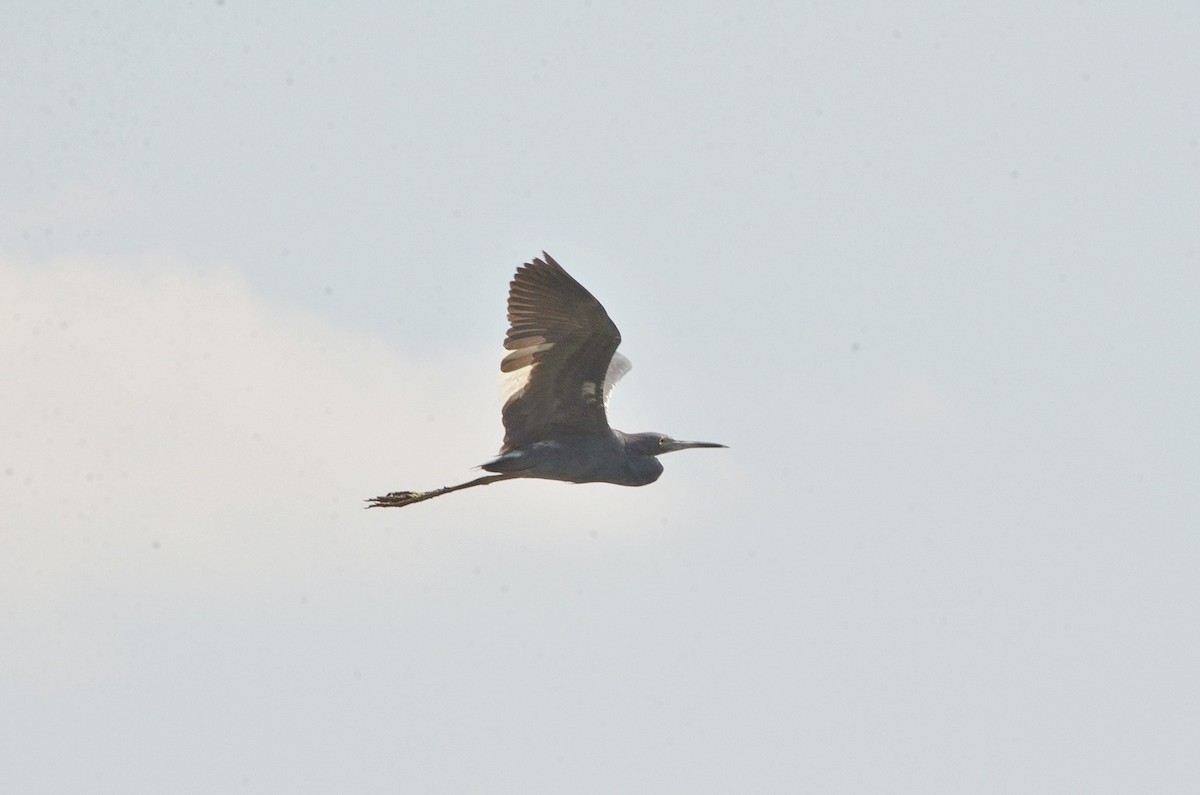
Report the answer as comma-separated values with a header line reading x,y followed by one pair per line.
x,y
513,461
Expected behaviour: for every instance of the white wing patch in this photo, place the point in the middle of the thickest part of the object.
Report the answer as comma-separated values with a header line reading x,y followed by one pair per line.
x,y
617,368
512,384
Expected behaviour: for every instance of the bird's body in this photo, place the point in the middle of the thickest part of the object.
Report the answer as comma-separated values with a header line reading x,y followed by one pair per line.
x,y
561,367
615,457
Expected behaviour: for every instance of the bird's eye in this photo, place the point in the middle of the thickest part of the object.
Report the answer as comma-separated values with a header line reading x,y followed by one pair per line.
x,y
662,441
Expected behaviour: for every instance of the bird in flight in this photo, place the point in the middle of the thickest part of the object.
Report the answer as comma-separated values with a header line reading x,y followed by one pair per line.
x,y
561,366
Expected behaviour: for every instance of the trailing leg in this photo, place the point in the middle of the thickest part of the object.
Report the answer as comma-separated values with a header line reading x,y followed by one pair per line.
x,y
399,499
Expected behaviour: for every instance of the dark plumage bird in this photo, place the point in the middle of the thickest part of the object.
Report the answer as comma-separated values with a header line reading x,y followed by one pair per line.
x,y
562,364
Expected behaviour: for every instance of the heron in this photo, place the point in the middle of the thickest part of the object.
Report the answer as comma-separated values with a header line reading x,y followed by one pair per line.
x,y
561,366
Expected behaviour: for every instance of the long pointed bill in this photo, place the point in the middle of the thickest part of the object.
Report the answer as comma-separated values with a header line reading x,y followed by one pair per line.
x,y
674,444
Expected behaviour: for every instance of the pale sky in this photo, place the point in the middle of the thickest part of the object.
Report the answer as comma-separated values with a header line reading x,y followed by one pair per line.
x,y
932,273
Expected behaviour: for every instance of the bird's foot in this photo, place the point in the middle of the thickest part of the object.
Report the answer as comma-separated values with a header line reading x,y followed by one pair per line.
x,y
397,499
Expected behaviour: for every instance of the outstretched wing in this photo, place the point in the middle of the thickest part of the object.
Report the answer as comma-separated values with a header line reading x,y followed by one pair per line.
x,y
561,342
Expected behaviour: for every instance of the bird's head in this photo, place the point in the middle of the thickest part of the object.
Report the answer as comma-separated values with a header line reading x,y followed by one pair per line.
x,y
651,444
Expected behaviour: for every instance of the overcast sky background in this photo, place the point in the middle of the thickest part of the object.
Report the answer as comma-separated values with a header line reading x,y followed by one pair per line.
x,y
931,273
